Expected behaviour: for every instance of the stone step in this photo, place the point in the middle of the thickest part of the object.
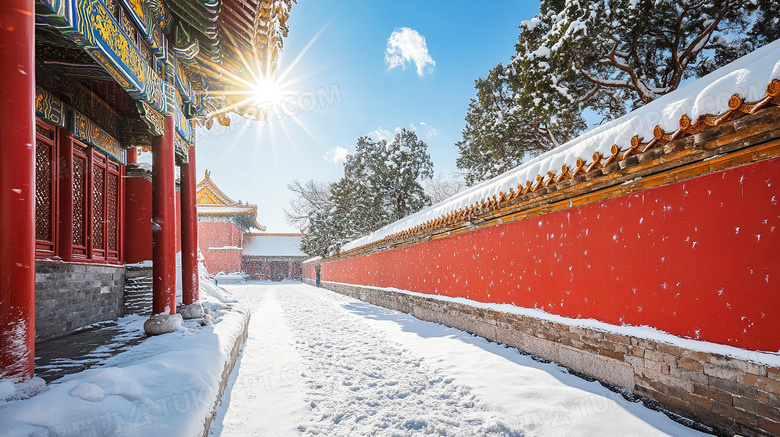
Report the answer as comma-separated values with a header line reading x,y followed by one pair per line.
x,y
138,291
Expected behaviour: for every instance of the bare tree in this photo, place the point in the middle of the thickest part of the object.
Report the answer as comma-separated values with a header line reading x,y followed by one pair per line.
x,y
310,197
439,188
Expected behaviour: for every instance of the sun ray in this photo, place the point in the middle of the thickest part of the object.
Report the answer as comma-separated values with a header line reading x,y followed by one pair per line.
x,y
292,143
230,107
304,128
262,99
297,59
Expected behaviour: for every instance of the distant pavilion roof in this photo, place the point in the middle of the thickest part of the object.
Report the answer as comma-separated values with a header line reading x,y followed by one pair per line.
x,y
213,202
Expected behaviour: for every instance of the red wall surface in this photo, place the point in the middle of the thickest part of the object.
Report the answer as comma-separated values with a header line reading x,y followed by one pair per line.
x,y
216,235
697,259
138,220
309,272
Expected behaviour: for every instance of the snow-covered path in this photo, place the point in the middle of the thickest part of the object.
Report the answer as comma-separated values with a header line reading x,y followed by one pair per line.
x,y
319,363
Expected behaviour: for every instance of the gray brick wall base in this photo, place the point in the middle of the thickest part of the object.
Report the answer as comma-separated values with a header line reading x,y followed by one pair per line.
x,y
731,395
71,296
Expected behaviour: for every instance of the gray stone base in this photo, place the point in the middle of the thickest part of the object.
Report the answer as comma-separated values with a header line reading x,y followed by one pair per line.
x,y
162,324
732,396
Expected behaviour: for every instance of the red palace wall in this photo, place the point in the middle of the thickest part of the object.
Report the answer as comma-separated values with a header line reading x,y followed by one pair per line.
x,y
309,271
697,259
218,234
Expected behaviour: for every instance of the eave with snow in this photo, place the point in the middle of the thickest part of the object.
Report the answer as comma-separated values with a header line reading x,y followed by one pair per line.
x,y
273,256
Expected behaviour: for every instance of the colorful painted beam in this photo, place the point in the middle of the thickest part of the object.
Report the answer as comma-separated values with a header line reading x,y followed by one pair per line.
x,y
92,26
88,131
153,119
181,147
49,107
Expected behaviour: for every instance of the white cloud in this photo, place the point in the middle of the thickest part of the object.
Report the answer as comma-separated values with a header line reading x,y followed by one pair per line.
x,y
426,129
432,131
336,155
407,45
380,134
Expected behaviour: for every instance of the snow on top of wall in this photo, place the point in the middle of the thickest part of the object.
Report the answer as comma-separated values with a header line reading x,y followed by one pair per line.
x,y
748,77
225,248
273,245
144,165
146,263
311,260
223,209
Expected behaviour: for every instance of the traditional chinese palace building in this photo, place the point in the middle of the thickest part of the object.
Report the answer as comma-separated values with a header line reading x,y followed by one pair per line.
x,y
232,241
83,83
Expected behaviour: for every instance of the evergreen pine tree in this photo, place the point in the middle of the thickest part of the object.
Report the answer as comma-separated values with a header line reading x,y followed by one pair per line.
x,y
381,184
607,56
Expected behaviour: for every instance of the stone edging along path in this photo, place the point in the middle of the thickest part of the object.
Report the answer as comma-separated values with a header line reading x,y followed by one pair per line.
x,y
729,394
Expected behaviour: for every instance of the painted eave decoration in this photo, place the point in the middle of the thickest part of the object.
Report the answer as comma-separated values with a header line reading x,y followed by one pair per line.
x,y
186,58
748,85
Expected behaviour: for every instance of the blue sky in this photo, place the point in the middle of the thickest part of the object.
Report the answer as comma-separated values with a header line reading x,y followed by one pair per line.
x,y
342,88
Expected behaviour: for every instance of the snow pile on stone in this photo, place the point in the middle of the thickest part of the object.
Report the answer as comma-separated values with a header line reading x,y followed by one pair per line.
x,y
747,77
230,278
166,385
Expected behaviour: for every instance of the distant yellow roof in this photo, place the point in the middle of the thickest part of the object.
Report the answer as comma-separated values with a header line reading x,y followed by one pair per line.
x,y
213,201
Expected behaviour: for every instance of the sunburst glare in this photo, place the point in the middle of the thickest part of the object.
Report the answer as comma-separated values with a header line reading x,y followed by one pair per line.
x,y
267,91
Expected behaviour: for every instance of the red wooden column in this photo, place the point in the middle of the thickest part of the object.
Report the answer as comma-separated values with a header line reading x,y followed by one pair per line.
x,y
132,155
66,196
189,239
163,234
17,190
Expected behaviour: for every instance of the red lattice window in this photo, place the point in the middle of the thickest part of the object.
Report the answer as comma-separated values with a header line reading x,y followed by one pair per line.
x,y
106,189
98,205
45,189
113,219
80,200
97,199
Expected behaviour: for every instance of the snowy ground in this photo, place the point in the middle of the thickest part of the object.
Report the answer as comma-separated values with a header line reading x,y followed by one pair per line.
x,y
319,363
165,386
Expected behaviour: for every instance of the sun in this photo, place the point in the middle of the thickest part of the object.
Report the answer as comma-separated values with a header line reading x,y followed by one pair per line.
x,y
267,92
